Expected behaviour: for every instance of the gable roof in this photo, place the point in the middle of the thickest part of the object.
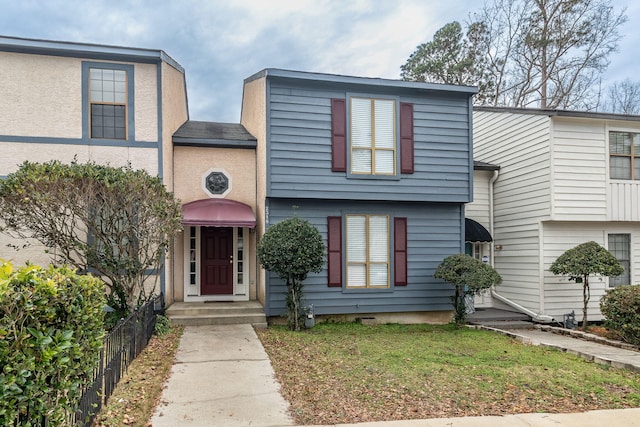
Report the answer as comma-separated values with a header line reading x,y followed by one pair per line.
x,y
559,113
211,134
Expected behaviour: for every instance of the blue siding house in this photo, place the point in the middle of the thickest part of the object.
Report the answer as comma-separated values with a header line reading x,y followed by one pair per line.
x,y
383,168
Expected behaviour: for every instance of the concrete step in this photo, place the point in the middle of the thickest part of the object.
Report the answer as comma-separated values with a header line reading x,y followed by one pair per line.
x,y
259,320
493,314
505,324
196,308
217,313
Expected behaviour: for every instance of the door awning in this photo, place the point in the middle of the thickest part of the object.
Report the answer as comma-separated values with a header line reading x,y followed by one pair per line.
x,y
218,213
475,232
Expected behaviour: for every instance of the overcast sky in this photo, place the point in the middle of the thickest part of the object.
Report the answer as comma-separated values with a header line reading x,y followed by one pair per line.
x,y
220,43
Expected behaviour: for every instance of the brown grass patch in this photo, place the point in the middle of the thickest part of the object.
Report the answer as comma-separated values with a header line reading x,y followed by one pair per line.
x,y
138,392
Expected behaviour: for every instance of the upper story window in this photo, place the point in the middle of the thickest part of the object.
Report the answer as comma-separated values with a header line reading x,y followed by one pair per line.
x,y
373,136
624,155
108,103
378,143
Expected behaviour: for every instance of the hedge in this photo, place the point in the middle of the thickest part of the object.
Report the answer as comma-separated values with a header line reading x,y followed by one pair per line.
x,y
51,330
621,308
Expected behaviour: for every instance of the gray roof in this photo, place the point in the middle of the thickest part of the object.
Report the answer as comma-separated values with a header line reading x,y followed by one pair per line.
x,y
484,166
85,50
351,80
559,113
210,134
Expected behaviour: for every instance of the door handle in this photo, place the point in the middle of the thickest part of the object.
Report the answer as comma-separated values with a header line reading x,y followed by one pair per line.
x,y
231,259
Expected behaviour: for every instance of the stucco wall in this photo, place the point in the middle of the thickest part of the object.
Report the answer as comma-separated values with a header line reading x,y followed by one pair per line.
x,y
254,119
146,102
41,96
191,167
42,100
193,163
174,114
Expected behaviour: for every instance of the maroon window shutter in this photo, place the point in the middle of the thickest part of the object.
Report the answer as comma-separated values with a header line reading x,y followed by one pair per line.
x,y
338,135
334,250
400,251
406,137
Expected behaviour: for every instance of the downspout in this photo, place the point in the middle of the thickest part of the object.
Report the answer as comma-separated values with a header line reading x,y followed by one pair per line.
x,y
536,317
492,181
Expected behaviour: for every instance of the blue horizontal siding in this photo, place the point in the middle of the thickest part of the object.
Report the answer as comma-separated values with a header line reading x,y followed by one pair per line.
x,y
434,232
299,147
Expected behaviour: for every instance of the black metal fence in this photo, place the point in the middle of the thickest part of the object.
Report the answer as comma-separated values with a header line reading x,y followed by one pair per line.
x,y
121,346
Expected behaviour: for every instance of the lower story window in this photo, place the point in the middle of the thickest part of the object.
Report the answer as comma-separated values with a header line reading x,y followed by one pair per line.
x,y
367,243
620,247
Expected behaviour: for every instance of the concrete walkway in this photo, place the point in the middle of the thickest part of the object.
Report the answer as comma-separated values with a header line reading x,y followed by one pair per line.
x,y
223,377
590,350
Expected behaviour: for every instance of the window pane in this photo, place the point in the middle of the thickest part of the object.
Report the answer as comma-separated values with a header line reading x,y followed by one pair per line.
x,y
108,85
384,161
356,239
360,122
378,275
108,121
619,143
620,247
384,123
96,90
361,161
620,167
120,75
357,275
378,239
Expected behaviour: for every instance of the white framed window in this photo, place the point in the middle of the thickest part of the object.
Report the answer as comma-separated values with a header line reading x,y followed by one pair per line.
x,y
624,155
373,136
367,243
192,261
620,246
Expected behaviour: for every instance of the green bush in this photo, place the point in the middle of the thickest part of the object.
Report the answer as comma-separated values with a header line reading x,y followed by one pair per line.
x,y
292,249
51,331
621,308
468,276
162,325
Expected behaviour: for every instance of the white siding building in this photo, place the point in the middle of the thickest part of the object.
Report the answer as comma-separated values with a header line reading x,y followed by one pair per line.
x,y
565,178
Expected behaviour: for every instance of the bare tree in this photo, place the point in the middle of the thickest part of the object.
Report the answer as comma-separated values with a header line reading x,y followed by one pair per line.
x,y
550,53
623,97
541,53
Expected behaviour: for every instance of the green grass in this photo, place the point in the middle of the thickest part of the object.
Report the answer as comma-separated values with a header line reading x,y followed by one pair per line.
x,y
345,373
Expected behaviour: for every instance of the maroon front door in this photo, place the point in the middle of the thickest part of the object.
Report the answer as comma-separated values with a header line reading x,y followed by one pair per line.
x,y
216,276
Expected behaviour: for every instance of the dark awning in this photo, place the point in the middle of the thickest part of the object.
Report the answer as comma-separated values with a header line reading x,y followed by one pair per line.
x,y
218,213
475,232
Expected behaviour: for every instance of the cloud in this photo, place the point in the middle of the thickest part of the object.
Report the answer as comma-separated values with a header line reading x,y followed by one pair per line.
x,y
219,42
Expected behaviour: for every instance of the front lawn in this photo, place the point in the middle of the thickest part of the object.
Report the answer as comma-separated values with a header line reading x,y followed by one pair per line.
x,y
347,373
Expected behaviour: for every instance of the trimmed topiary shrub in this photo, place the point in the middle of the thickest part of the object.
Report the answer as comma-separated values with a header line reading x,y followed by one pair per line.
x,y
468,276
51,330
292,249
583,261
621,308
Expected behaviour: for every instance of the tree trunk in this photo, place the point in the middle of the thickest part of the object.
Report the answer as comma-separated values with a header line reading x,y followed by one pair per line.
x,y
586,295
